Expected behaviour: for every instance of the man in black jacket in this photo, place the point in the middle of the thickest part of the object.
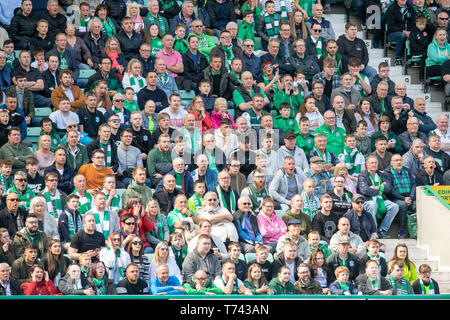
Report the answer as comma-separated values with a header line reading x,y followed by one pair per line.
x,y
167,194
95,40
104,143
22,27
220,13
286,258
273,56
51,75
148,61
12,217
399,21
56,21
343,258
112,79
194,63
130,41
225,44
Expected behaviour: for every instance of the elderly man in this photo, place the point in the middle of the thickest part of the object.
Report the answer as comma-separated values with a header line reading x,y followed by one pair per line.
x,y
293,235
165,284
186,16
361,221
345,117
412,132
398,114
443,132
216,157
146,59
153,16
318,172
76,153
319,149
290,149
15,150
379,98
227,197
199,285
246,225
403,190
12,217
357,246
251,61
335,135
375,188
85,198
401,91
426,124
184,181
327,28
8,286
413,159
173,58
347,91
272,56
118,109
287,182
95,40
203,173
167,194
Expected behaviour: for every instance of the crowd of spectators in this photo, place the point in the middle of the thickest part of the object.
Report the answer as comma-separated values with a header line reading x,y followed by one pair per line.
x,y
217,148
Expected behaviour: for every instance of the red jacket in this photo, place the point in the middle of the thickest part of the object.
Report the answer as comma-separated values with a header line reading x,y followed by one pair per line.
x,y
145,225
204,124
43,288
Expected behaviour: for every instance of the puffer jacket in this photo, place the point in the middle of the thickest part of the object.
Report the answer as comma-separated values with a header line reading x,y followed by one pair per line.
x,y
22,28
117,9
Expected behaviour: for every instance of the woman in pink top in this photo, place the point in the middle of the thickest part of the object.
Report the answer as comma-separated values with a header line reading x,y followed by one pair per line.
x,y
271,226
220,112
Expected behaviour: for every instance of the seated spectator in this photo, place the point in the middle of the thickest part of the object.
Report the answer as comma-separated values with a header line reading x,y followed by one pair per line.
x,y
425,285
132,284
325,221
199,285
128,156
21,189
24,95
363,143
55,200
270,224
79,49
34,180
256,281
118,109
365,112
413,159
379,98
401,258
394,145
73,284
335,135
269,81
39,283
304,58
343,258
90,117
356,247
87,240
328,77
367,228
305,284
401,286
318,266
115,258
437,53
85,201
95,171
184,180
9,286
47,222
248,237
341,196
293,235
347,91
105,143
62,115
429,175
383,157
69,221
62,171
352,158
43,154
298,211
133,77
182,219
94,39
55,263
436,149
75,153
342,285
105,72
320,177
234,250
22,26
228,282
20,268
103,100
98,278
383,75
373,249
106,221
164,283
17,118
281,284
28,234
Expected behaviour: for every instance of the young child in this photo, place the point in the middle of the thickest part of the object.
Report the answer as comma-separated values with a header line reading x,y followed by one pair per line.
x,y
342,286
314,243
85,264
271,21
360,81
179,250
196,201
39,61
311,202
130,103
425,284
8,48
363,142
419,41
180,44
35,181
5,174
284,121
220,112
373,253
204,87
305,139
247,29
234,249
47,128
262,254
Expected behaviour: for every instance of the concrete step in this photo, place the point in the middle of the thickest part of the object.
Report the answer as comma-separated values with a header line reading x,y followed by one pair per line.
x,y
444,287
440,276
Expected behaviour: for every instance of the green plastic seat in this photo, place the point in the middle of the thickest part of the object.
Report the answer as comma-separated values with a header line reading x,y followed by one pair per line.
x,y
33,134
258,42
85,74
120,192
215,39
250,256
42,112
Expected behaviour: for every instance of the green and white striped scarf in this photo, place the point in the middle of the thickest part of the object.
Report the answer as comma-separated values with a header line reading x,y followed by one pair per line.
x,y
159,22
229,55
54,206
85,202
350,160
404,288
119,263
325,156
115,204
283,11
310,205
158,227
198,202
108,148
73,223
222,201
100,285
6,182
318,45
24,196
140,82
426,289
376,181
272,29
375,283
103,225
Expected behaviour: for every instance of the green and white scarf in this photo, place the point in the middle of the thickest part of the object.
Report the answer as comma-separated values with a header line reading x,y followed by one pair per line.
x,y
115,204
75,225
160,22
283,11
118,263
100,285
310,205
350,159
381,206
158,228
103,225
325,156
198,202
344,286
426,289
54,206
318,45
402,184
108,148
272,29
229,55
140,82
235,285
404,288
222,201
24,196
375,283
6,182
85,202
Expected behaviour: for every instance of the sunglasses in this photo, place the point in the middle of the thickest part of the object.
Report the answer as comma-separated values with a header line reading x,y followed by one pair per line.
x,y
137,242
21,180
445,19
246,203
137,202
115,120
119,100
164,249
116,239
72,126
130,223
359,202
317,30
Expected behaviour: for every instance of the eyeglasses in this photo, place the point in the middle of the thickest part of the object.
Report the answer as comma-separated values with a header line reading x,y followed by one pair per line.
x,y
116,239
164,249
246,203
201,279
317,30
359,202
115,120
137,202
138,243
72,126
130,223
52,180
119,100
199,26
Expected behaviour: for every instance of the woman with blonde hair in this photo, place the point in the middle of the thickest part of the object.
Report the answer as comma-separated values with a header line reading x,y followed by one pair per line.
x,y
133,77
113,51
309,110
220,112
298,25
43,154
342,171
160,231
163,256
47,223
133,11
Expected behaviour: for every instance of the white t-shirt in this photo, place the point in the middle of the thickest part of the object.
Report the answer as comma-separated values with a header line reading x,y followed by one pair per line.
x,y
61,120
293,271
176,119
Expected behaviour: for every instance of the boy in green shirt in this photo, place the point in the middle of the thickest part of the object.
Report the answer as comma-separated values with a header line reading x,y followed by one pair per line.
x,y
247,29
130,104
6,178
180,44
196,201
305,139
284,121
47,128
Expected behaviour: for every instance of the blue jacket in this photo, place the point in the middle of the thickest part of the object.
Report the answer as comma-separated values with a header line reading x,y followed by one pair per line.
x,y
211,179
428,123
73,64
126,116
243,231
5,78
179,18
335,288
368,224
156,287
188,183
253,64
394,193
364,183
